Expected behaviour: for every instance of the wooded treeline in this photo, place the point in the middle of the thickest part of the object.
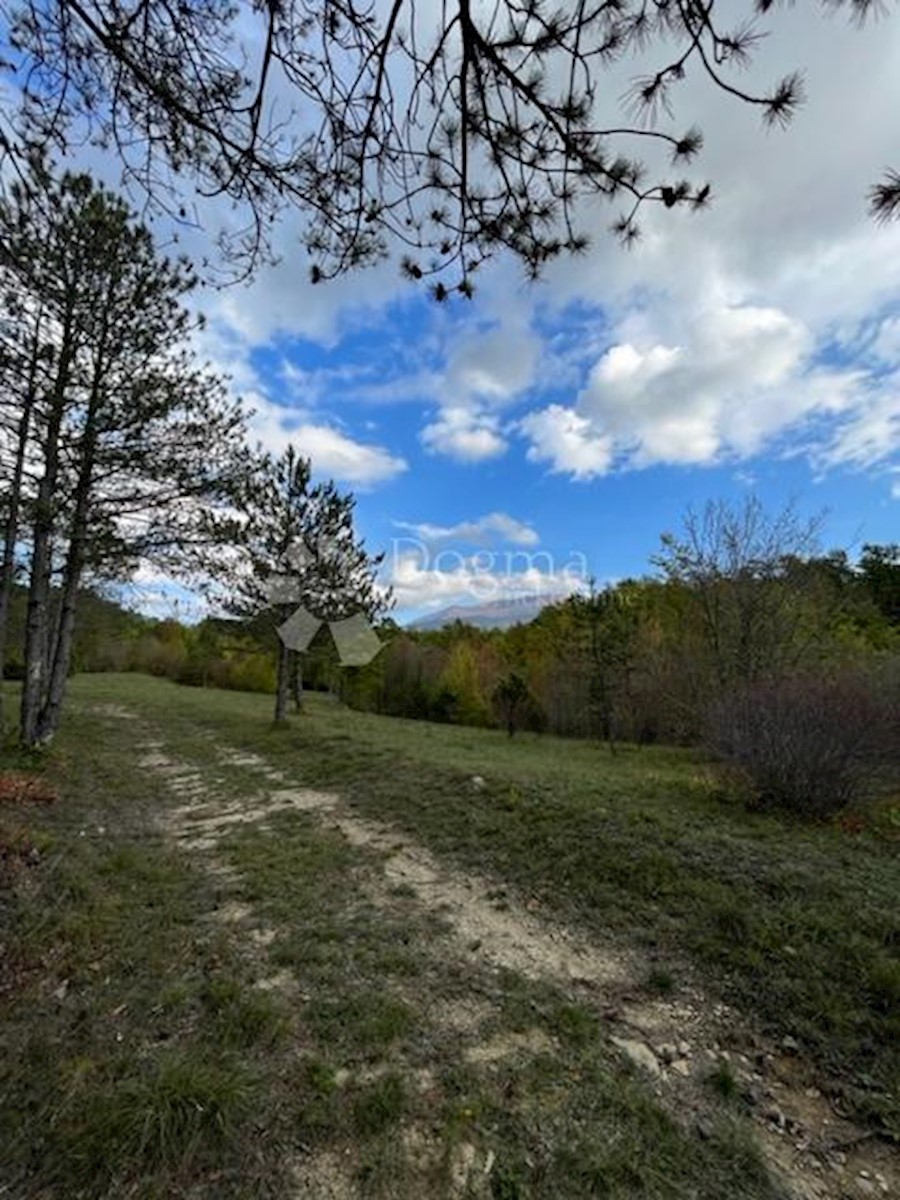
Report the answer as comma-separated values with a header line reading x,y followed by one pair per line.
x,y
638,662
641,661
781,662
120,448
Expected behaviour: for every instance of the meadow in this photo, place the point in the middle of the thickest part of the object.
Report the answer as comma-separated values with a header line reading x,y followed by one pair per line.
x,y
364,956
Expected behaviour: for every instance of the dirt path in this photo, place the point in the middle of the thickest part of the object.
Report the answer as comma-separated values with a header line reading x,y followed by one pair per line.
x,y
677,1043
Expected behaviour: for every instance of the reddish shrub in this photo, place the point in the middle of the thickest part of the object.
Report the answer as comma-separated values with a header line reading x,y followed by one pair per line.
x,y
810,745
18,788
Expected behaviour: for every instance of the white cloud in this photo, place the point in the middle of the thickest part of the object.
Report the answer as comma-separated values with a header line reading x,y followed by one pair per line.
x,y
738,377
493,526
333,453
714,381
565,440
887,341
494,365
871,431
465,434
421,583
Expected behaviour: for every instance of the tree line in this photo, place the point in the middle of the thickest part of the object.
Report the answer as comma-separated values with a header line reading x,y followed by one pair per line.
x,y
738,599
120,448
780,661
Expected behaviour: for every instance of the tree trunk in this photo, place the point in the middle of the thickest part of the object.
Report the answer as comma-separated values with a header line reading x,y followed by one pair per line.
x,y
11,530
297,681
283,685
61,649
38,614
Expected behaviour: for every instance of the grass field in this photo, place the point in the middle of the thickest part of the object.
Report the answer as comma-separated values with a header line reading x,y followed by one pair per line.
x,y
252,1003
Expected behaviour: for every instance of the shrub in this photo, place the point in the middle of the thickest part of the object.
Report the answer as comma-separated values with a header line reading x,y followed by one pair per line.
x,y
813,744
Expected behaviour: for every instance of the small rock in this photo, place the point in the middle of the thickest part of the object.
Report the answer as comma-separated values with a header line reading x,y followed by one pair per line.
x,y
60,992
682,1067
790,1044
704,1128
774,1115
684,1049
478,783
668,1053
640,1054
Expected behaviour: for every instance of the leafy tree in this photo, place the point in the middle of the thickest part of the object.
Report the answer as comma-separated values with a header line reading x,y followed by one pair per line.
x,y
608,623
459,688
738,566
125,449
511,699
299,552
879,568
451,134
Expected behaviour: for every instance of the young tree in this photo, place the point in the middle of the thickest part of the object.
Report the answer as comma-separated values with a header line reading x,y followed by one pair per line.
x,y
301,564
739,566
511,700
128,445
608,626
449,132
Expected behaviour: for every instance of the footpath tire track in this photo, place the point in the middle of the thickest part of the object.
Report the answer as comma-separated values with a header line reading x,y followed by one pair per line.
x,y
677,1044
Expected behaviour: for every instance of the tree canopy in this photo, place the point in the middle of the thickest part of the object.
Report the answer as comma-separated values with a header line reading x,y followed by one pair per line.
x,y
449,130
121,448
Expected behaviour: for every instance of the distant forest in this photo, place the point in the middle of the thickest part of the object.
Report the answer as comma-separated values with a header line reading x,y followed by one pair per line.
x,y
639,661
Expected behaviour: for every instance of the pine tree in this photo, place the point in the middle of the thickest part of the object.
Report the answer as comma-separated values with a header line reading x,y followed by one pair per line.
x,y
132,448
301,564
446,135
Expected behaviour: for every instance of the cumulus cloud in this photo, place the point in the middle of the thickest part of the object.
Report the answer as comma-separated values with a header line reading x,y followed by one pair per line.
x,y
564,439
496,526
727,382
333,453
466,434
725,334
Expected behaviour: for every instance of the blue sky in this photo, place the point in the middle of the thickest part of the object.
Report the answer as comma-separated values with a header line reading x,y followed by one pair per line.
x,y
754,347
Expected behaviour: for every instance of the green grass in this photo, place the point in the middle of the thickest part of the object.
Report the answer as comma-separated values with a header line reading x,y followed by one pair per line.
x,y
796,925
138,1055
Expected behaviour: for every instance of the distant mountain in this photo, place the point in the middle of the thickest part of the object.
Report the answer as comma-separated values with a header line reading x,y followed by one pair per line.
x,y
491,614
